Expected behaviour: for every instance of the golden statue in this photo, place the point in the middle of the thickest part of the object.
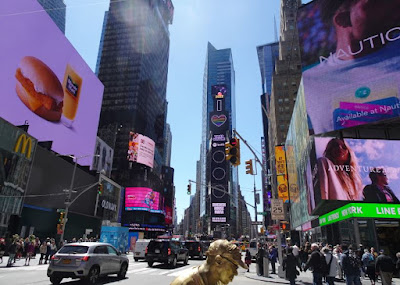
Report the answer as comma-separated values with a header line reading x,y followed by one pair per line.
x,y
223,260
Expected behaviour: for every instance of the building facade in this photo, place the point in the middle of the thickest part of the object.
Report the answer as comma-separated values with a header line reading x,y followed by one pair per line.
x,y
56,10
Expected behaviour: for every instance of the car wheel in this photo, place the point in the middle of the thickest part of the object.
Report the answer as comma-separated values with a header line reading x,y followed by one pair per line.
x,y
186,260
150,263
136,259
93,275
174,261
55,280
122,271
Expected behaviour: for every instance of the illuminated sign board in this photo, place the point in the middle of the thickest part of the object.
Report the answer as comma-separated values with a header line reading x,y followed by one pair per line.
x,y
24,145
360,210
46,83
350,77
219,208
218,219
280,164
141,149
142,199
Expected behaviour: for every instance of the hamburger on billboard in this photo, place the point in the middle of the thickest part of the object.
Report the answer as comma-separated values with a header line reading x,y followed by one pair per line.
x,y
354,170
45,82
351,62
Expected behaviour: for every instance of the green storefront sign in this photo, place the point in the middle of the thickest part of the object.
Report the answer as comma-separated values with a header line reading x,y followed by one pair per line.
x,y
360,210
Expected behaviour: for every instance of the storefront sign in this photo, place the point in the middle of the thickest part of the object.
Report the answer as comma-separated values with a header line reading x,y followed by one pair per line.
x,y
359,210
23,145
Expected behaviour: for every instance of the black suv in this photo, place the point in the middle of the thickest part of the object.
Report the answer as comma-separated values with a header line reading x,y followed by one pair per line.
x,y
196,248
166,251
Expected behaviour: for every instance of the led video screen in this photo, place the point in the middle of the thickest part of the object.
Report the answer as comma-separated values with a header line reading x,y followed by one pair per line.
x,y
141,149
350,62
46,83
142,199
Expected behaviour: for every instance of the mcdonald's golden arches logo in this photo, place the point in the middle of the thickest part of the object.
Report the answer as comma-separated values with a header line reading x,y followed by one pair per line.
x,y
24,145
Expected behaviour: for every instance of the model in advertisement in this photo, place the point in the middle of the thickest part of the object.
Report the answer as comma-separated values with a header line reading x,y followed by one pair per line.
x,y
223,261
379,191
351,62
339,173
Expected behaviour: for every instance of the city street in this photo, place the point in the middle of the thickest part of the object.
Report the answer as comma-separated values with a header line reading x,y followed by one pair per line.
x,y
138,272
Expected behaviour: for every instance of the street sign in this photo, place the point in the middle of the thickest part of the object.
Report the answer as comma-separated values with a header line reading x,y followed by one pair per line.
x,y
262,213
277,210
60,210
257,223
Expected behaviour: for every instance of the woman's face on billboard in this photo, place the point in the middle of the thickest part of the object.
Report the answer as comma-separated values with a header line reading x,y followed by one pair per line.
x,y
341,153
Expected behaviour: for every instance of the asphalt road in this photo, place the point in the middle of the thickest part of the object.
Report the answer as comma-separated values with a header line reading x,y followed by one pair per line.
x,y
138,273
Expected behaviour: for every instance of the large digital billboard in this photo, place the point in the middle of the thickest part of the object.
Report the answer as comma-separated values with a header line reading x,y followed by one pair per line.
x,y
143,199
350,61
103,157
45,83
141,149
355,170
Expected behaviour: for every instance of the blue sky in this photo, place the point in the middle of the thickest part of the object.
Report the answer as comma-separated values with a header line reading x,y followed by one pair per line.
x,y
239,25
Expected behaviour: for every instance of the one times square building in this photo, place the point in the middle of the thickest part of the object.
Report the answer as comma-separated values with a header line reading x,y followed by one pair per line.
x,y
133,66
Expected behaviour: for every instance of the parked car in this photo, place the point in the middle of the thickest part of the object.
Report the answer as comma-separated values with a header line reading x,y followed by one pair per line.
x,y
166,251
253,248
196,249
140,249
87,261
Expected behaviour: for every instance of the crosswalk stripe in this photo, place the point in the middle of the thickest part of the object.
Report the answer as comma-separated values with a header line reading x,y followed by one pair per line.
x,y
147,271
177,273
137,270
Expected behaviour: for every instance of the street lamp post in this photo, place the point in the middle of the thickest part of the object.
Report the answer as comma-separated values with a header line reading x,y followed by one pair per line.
x,y
70,190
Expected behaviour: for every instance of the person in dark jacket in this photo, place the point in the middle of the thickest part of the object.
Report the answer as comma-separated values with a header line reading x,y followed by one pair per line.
x,y
351,265
273,257
314,261
379,191
12,250
385,266
260,259
289,265
247,259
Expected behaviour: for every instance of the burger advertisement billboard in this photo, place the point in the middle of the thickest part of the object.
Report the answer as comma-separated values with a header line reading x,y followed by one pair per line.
x,y
350,61
362,170
45,82
143,199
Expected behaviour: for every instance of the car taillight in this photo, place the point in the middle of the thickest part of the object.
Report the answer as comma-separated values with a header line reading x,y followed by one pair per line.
x,y
199,249
145,252
85,258
55,258
169,251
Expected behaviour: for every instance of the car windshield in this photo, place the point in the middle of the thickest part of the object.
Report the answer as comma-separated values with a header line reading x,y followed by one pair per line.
x,y
191,244
74,249
157,245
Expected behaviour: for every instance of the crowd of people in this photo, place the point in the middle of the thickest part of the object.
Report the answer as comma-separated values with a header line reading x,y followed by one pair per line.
x,y
330,263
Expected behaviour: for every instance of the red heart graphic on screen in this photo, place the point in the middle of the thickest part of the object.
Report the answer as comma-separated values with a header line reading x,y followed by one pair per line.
x,y
218,120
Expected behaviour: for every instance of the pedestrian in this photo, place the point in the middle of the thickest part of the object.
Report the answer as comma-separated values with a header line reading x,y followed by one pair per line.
x,y
43,251
398,264
30,249
303,256
337,252
385,266
351,265
296,251
260,259
290,262
2,248
247,259
368,262
12,250
37,247
273,257
53,247
47,251
315,262
332,265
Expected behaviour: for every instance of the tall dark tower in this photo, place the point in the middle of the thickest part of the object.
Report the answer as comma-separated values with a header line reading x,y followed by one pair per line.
x,y
56,10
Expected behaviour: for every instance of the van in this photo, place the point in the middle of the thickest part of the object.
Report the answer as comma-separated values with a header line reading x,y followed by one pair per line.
x,y
140,249
253,248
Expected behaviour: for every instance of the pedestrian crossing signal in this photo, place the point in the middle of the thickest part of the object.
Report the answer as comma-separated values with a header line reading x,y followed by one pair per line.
x,y
100,189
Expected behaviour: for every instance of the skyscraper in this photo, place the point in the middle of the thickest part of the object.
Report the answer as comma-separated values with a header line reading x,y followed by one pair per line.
x,y
56,10
133,66
219,114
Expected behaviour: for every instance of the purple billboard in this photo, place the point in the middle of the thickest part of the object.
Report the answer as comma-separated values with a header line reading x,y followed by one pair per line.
x,y
354,170
143,199
350,61
45,82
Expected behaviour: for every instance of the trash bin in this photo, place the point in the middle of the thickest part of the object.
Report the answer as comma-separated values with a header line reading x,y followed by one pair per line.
x,y
266,267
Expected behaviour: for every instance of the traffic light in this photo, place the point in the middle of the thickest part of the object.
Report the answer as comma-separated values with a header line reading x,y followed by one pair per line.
x,y
284,225
61,218
100,189
189,189
232,151
249,167
262,230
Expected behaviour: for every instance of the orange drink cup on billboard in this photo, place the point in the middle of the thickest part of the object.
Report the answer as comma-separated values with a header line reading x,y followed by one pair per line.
x,y
72,85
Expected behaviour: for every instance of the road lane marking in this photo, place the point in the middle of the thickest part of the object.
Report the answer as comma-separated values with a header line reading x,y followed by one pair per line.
x,y
147,271
137,270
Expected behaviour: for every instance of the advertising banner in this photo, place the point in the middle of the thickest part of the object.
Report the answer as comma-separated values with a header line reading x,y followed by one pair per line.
x,y
103,158
360,210
281,175
141,149
45,83
351,63
292,174
168,215
117,236
356,170
142,199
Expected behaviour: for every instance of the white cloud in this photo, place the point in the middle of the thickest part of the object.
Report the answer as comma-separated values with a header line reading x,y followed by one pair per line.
x,y
374,149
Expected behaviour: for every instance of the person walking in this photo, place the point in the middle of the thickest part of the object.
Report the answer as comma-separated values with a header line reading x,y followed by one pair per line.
x,y
47,242
12,250
43,251
29,249
247,259
314,262
351,265
260,259
332,265
398,264
273,257
368,262
2,248
385,267
289,263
